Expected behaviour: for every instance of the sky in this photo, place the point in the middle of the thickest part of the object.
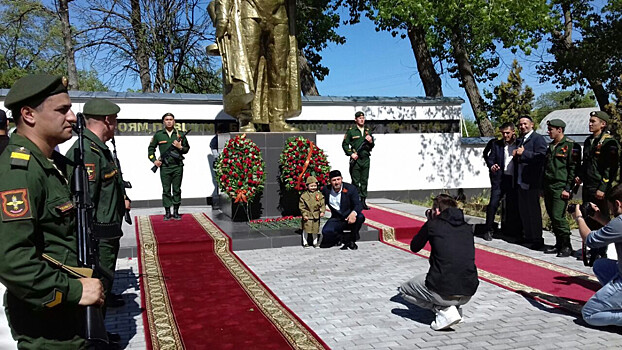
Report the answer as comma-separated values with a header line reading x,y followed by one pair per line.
x,y
374,63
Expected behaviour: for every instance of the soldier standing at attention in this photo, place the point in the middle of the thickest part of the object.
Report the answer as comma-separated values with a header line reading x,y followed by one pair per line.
x,y
38,244
358,143
562,157
105,187
171,168
599,169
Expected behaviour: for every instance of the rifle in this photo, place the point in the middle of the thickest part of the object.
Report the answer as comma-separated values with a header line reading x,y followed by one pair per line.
x,y
126,184
88,254
358,149
169,152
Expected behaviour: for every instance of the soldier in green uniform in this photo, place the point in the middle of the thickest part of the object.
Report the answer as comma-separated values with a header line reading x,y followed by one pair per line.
x,y
38,244
562,157
357,144
105,187
599,168
171,168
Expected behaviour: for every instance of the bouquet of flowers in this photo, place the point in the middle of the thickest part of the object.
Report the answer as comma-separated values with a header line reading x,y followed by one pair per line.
x,y
240,169
300,159
276,223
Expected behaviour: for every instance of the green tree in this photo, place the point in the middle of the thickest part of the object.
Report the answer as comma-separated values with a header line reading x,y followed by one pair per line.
x,y
463,35
587,48
510,100
31,36
556,100
316,24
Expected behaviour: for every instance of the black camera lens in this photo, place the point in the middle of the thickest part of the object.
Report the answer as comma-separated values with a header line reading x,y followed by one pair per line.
x,y
571,208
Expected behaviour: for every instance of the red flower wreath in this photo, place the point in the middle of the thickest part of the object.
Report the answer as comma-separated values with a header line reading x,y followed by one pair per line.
x,y
240,169
300,159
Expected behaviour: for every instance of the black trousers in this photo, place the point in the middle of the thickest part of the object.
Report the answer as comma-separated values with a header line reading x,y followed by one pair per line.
x,y
336,230
530,214
510,219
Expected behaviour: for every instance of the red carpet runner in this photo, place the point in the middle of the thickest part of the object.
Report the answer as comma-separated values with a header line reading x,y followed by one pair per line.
x,y
546,282
198,295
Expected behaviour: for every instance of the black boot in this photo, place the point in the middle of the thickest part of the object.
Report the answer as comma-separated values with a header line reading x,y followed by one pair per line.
x,y
365,207
176,215
167,214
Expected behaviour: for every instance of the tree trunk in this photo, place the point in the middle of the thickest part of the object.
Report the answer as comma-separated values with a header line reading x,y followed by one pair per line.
x,y
72,70
470,85
602,97
307,81
141,53
430,79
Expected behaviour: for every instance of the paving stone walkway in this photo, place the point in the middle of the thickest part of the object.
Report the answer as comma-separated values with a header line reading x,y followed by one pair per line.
x,y
349,299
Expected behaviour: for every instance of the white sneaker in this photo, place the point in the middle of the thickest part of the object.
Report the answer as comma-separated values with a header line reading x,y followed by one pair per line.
x,y
445,318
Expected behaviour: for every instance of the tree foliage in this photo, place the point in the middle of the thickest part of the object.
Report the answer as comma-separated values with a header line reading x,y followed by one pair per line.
x,y
587,48
160,42
510,100
31,38
463,35
556,100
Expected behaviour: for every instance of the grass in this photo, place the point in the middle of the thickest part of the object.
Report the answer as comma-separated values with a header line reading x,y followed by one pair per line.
x,y
476,206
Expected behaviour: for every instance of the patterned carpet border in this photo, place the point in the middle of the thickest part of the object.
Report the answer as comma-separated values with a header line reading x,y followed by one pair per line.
x,y
388,237
290,326
162,328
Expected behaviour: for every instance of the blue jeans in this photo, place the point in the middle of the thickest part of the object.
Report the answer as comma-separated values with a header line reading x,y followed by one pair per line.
x,y
605,307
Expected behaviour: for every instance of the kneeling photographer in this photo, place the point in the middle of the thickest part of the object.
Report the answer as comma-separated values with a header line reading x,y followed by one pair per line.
x,y
605,307
452,277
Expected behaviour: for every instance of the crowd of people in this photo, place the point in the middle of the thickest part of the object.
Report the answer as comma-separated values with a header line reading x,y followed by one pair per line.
x,y
47,293
522,167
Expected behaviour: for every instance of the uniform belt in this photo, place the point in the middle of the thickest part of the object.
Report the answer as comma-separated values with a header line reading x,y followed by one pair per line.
x,y
107,230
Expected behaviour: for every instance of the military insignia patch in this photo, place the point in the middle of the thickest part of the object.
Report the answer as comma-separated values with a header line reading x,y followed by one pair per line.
x,y
15,205
90,169
57,298
63,208
162,142
110,174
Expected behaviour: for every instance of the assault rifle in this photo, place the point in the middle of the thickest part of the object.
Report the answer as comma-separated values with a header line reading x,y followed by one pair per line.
x,y
358,149
170,152
126,184
88,254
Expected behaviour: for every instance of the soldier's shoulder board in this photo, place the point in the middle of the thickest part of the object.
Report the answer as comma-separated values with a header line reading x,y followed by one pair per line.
x,y
94,147
20,158
15,205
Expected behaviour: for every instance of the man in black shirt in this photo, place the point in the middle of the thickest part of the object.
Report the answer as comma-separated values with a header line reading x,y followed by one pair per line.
x,y
452,278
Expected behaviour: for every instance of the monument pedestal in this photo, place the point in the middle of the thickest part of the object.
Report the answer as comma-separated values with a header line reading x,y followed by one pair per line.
x,y
274,201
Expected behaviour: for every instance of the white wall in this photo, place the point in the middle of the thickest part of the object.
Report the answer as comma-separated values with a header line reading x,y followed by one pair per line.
x,y
399,162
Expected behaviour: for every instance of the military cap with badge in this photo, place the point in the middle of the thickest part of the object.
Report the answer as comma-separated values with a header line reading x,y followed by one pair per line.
x,y
556,123
31,90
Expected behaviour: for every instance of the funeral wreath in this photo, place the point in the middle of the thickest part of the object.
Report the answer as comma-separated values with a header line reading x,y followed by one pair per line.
x,y
300,159
240,169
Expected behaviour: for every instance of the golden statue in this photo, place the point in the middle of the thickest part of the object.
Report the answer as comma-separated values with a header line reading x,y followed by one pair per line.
x,y
256,41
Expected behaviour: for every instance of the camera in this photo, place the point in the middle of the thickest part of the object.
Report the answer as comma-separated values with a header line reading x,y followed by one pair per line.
x,y
429,214
585,208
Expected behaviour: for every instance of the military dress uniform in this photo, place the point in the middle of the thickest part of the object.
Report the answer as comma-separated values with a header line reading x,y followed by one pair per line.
x,y
311,206
38,245
598,171
354,140
172,169
106,190
560,166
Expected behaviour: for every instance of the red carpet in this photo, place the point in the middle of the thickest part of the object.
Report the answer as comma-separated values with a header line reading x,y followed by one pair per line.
x,y
199,295
544,281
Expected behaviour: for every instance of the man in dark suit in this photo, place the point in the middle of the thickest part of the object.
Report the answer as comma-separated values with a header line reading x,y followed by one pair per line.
x,y
346,213
530,156
499,162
